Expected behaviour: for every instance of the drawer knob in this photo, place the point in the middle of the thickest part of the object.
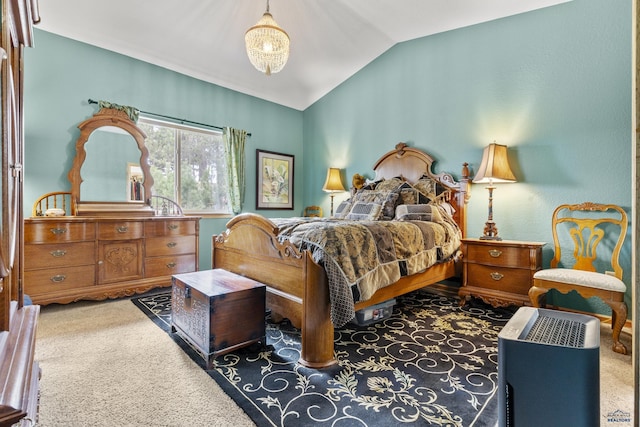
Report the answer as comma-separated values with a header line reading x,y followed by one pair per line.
x,y
173,226
495,253
171,264
58,278
58,230
58,253
122,229
171,244
496,276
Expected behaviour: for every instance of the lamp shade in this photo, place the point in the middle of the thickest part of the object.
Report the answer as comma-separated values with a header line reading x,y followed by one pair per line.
x,y
333,184
267,45
494,166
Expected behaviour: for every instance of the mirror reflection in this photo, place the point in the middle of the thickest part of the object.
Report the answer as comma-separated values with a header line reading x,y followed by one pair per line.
x,y
111,171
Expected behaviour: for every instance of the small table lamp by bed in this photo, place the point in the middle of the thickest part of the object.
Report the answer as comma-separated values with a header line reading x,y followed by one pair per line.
x,y
494,168
333,184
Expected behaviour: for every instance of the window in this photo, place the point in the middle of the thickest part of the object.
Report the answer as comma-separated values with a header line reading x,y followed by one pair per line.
x,y
188,166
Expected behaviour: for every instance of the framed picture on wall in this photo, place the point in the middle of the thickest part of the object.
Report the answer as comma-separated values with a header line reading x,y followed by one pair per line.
x,y
274,172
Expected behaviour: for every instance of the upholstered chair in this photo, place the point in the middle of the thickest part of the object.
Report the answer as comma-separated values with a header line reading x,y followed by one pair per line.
x,y
590,264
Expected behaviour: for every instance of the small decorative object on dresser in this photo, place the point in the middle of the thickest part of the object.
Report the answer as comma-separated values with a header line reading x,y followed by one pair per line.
x,y
499,272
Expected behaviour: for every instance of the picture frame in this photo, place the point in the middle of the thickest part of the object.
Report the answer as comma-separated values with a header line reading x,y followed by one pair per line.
x,y
274,175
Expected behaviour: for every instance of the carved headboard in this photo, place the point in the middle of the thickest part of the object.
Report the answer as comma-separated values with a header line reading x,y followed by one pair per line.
x,y
412,164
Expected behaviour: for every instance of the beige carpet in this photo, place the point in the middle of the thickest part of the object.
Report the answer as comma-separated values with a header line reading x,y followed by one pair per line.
x,y
106,364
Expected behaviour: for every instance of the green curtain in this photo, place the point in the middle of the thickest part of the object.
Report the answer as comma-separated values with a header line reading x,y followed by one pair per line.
x,y
132,112
234,142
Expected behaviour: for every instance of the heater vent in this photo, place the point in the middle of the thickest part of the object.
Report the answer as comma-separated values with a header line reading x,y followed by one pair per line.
x,y
557,331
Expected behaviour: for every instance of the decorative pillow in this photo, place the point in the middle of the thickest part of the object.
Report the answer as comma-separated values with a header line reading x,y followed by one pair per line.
x,y
365,211
343,209
386,199
418,213
408,195
389,184
427,188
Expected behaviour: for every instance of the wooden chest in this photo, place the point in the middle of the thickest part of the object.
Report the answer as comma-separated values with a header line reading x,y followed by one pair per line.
x,y
217,311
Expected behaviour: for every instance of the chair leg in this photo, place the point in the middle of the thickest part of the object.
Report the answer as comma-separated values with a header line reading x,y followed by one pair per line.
x,y
618,318
537,296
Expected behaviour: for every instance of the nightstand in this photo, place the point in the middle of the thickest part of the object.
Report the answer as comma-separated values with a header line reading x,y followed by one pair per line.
x,y
499,272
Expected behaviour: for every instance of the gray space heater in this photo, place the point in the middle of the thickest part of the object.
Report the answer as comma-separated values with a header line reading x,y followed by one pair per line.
x,y
549,369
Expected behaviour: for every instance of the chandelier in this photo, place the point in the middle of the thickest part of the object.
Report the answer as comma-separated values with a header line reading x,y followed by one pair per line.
x,y
267,45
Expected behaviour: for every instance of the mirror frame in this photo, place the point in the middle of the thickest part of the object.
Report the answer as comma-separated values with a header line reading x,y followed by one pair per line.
x,y
114,118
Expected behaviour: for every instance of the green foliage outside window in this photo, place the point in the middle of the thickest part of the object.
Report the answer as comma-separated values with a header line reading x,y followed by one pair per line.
x,y
188,166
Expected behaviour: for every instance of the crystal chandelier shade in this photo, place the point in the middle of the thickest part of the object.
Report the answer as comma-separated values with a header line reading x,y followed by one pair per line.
x,y
267,45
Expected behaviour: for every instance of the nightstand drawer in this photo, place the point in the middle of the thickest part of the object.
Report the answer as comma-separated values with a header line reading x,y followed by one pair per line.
x,y
514,280
500,272
505,256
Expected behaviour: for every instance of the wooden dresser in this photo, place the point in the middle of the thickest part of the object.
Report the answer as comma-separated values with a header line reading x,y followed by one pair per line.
x,y
73,258
499,272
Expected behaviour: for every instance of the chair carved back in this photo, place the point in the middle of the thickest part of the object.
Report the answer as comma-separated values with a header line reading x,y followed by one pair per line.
x,y
56,200
586,224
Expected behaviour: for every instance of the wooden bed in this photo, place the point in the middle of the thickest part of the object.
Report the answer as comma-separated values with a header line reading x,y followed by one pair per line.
x,y
297,287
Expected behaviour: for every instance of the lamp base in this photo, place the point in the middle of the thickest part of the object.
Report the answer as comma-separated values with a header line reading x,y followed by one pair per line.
x,y
490,231
497,238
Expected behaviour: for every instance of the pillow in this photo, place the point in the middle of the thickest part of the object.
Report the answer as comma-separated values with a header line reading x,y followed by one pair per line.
x,y
418,213
389,184
408,195
343,209
427,189
386,199
360,211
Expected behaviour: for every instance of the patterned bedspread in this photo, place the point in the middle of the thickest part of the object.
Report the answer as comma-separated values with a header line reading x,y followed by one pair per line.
x,y
361,257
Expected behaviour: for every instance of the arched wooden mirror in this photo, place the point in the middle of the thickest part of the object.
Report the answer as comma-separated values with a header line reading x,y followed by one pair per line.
x,y
111,173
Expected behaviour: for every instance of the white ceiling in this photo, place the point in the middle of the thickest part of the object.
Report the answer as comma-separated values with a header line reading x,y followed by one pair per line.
x,y
330,39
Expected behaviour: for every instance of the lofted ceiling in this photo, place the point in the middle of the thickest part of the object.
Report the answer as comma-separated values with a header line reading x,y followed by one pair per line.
x,y
330,39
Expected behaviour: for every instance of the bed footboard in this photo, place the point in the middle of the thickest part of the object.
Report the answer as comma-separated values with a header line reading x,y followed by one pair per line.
x,y
297,287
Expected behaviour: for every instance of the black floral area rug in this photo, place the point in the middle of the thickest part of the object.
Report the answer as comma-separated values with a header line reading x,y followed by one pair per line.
x,y
430,363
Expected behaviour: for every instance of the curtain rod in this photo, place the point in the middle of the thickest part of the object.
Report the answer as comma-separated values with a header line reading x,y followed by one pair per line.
x,y
182,121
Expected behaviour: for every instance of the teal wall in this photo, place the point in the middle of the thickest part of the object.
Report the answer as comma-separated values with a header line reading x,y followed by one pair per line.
x,y
554,85
62,74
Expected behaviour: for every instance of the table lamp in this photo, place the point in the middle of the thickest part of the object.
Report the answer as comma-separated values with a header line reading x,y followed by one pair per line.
x,y
494,168
333,184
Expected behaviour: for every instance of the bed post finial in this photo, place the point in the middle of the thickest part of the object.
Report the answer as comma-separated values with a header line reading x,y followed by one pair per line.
x,y
465,170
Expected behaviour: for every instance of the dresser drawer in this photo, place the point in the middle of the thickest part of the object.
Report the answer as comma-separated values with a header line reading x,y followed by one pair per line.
x,y
59,255
515,280
39,282
170,228
120,230
161,246
504,256
168,265
58,232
